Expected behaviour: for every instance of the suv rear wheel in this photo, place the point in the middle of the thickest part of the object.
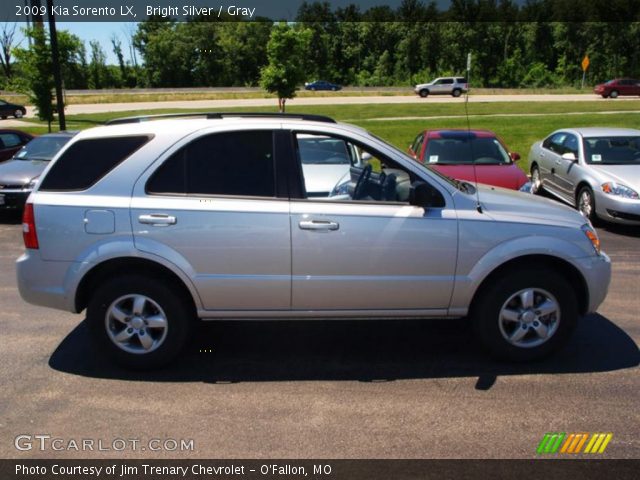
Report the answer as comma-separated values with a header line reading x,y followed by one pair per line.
x,y
457,92
525,314
139,321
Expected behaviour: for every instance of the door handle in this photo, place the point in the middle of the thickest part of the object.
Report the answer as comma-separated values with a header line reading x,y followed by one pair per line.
x,y
157,219
318,225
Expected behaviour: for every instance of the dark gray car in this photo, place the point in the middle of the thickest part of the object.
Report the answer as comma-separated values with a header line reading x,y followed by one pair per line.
x,y
19,175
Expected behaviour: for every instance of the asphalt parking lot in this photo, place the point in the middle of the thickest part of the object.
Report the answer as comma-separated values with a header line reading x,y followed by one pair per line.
x,y
383,389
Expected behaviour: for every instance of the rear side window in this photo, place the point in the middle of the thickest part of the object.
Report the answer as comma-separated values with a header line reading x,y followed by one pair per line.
x,y
87,161
231,163
9,140
461,80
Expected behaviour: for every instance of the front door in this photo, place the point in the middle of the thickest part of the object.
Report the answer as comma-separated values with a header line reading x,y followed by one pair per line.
x,y
365,248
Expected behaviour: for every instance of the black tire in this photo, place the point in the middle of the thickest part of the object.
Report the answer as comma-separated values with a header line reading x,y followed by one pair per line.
x,y
176,307
334,89
490,327
586,204
537,185
456,93
604,95
613,94
4,117
313,89
424,93
18,113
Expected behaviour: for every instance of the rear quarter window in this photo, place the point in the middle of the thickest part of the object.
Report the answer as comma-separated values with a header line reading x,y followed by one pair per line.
x,y
86,161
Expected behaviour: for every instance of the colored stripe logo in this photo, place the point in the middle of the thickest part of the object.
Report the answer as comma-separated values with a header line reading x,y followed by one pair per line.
x,y
573,443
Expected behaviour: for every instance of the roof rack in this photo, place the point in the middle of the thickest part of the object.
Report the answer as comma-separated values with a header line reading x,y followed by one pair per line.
x,y
220,115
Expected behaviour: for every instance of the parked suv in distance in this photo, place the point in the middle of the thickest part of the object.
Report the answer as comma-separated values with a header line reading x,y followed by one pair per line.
x,y
454,86
173,220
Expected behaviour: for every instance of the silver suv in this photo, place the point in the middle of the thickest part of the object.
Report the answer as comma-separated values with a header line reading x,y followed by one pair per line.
x,y
152,225
454,86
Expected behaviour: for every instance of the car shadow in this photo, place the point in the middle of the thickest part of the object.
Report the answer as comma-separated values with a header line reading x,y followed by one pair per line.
x,y
10,217
624,230
367,351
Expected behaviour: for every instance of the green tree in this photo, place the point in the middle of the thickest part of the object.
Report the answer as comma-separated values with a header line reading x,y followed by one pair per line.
x,y
287,53
37,70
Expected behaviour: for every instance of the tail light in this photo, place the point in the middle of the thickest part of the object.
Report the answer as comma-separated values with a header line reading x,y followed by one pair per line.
x,y
29,227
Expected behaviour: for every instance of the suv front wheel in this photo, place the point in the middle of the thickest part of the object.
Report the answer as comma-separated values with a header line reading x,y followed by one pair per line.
x,y
525,314
139,321
424,93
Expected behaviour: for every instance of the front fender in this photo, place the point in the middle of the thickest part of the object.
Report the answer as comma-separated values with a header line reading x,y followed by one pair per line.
x,y
467,283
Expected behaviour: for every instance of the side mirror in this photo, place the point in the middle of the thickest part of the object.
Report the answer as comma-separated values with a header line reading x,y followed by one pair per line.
x,y
569,156
515,156
424,195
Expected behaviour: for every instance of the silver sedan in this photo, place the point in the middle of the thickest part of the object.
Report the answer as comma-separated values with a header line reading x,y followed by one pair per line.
x,y
596,170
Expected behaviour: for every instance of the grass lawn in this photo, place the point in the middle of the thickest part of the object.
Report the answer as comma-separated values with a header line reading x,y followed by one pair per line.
x,y
179,94
519,124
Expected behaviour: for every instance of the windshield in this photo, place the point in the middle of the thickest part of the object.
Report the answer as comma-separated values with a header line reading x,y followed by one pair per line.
x,y
609,82
42,148
462,150
612,150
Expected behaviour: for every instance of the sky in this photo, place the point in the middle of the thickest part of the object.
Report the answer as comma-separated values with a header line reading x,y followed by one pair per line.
x,y
100,31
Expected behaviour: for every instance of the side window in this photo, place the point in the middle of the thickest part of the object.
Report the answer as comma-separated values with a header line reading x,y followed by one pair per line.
x,y
554,143
10,140
416,147
447,81
86,161
230,163
571,145
368,176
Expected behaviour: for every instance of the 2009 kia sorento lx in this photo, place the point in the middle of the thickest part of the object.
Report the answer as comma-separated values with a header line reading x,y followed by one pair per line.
x,y
152,225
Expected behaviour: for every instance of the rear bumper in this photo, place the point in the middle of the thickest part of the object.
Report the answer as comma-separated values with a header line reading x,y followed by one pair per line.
x,y
42,282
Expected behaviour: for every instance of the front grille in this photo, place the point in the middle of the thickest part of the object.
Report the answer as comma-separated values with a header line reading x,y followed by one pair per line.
x,y
623,215
10,187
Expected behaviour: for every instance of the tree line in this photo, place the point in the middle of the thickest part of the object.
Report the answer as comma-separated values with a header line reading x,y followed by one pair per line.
x,y
511,46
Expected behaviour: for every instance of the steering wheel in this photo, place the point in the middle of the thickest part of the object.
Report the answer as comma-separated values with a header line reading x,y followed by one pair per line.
x,y
363,179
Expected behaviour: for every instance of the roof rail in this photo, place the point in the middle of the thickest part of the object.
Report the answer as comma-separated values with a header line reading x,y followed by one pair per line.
x,y
220,115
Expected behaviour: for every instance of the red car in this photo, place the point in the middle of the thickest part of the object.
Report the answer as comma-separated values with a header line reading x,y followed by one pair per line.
x,y
618,86
11,141
455,152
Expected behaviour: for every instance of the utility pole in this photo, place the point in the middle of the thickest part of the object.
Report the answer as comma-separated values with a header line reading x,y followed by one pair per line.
x,y
55,59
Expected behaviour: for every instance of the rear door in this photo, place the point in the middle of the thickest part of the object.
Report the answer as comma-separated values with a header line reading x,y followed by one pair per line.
x,y
212,206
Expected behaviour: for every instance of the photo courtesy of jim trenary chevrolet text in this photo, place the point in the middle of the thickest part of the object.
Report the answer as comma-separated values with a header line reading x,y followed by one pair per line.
x,y
334,239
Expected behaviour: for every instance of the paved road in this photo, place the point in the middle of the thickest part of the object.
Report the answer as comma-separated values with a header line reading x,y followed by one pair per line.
x,y
320,389
218,105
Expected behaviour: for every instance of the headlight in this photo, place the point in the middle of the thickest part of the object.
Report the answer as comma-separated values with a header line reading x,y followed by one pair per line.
x,y
612,188
591,234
